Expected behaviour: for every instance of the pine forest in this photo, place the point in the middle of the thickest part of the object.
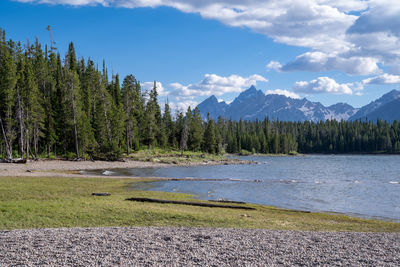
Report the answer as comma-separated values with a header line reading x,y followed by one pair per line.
x,y
54,106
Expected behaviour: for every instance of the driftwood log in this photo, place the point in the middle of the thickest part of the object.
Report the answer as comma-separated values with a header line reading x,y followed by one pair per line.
x,y
200,204
22,161
101,194
228,201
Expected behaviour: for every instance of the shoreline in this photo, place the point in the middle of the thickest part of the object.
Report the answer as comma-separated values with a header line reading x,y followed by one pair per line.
x,y
282,208
71,169
75,169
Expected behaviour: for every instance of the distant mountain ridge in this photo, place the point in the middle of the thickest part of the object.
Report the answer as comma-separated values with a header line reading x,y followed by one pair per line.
x,y
388,112
212,106
253,104
376,109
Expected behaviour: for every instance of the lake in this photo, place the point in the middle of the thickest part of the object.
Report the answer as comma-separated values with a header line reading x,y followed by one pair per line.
x,y
361,185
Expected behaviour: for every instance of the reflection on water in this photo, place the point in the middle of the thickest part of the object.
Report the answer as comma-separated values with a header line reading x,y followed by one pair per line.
x,y
366,185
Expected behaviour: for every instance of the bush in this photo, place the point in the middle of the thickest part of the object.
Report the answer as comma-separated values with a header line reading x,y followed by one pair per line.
x,y
244,152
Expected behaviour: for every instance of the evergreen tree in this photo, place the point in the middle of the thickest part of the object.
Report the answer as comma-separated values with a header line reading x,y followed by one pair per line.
x,y
210,144
33,107
153,119
117,91
195,131
8,79
133,109
184,136
70,60
168,126
76,119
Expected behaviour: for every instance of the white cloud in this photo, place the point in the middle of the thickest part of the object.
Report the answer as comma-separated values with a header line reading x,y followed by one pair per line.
x,y
346,5
213,84
383,79
318,24
322,85
318,61
183,105
376,32
274,65
353,35
160,88
282,92
181,96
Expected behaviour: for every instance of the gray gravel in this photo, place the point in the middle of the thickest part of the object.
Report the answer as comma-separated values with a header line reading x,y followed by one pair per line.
x,y
149,246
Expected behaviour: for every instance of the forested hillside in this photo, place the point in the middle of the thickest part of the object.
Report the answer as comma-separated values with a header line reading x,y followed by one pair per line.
x,y
65,106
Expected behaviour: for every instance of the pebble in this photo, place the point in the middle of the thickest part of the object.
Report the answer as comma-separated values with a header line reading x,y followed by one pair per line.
x,y
169,246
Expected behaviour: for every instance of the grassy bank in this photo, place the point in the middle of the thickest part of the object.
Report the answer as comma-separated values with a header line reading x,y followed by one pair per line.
x,y
176,157
67,202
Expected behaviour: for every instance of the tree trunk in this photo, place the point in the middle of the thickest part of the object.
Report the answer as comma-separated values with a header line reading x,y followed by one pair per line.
x,y
184,137
127,111
108,126
7,145
27,144
127,140
74,120
35,141
76,136
21,127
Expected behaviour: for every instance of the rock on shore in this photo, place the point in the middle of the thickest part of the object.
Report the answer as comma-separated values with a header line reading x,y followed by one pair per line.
x,y
160,246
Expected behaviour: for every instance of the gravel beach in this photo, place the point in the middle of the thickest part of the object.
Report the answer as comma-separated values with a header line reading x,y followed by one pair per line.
x,y
166,246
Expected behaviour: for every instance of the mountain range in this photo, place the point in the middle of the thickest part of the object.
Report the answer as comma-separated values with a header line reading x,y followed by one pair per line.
x,y
253,104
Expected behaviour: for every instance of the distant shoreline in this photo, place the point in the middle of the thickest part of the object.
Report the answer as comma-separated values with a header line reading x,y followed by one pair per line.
x,y
68,168
317,154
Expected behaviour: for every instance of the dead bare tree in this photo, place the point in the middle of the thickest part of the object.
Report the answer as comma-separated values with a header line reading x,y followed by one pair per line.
x,y
7,145
184,137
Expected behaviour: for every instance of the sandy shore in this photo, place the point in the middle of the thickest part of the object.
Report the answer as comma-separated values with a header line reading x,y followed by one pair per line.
x,y
168,246
64,168
61,168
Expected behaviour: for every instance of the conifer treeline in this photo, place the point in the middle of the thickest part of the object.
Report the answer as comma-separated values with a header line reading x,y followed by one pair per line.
x,y
330,136
53,106
65,106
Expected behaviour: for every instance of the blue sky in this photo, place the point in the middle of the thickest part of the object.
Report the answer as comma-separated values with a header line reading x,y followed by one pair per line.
x,y
324,50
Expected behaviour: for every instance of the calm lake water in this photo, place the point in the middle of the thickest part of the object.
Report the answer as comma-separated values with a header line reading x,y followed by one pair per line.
x,y
365,186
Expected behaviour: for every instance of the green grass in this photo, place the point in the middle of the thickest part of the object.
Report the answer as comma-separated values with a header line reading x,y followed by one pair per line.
x,y
174,156
67,202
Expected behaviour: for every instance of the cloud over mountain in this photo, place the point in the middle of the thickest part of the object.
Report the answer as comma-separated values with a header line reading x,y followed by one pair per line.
x,y
282,92
322,85
216,85
182,96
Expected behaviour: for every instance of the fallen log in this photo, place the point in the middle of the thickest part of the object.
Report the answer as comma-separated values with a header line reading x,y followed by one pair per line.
x,y
22,161
227,201
101,194
200,204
